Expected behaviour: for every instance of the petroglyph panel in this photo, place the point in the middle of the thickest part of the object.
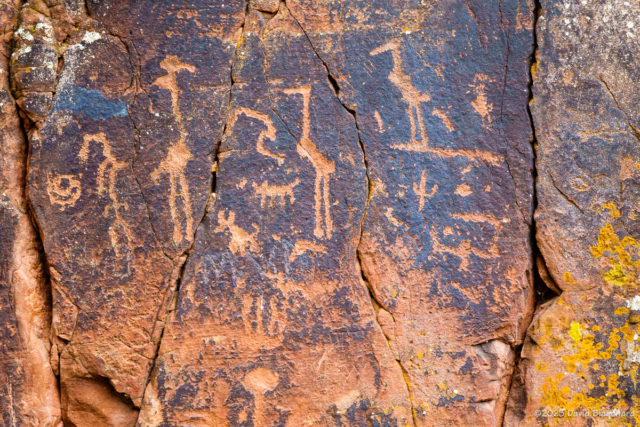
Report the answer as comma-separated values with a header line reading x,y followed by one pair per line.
x,y
109,276
317,212
184,51
440,92
279,250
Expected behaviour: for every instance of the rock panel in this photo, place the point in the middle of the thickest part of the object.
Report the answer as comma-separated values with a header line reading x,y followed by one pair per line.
x,y
108,272
184,52
273,324
119,179
579,361
440,94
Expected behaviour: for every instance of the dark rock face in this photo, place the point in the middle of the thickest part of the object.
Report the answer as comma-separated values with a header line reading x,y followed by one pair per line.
x,y
447,139
279,248
314,212
298,170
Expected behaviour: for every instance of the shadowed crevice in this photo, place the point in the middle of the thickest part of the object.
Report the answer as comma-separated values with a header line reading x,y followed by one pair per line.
x,y
542,282
26,208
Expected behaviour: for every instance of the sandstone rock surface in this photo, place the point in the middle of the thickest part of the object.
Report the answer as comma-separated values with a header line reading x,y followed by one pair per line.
x,y
28,389
318,212
580,356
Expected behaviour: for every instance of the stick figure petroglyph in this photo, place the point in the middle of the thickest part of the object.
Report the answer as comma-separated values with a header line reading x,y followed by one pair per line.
x,y
178,156
107,181
323,166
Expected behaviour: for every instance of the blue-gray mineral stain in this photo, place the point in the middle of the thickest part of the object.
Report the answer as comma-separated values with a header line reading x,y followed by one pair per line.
x,y
89,102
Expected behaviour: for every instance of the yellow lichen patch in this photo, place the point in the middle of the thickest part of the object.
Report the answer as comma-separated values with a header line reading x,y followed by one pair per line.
x,y
596,367
568,279
574,331
621,310
582,361
534,68
613,211
623,256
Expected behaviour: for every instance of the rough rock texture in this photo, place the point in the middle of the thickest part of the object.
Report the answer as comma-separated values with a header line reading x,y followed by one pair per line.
x,y
318,212
361,147
445,130
581,353
28,389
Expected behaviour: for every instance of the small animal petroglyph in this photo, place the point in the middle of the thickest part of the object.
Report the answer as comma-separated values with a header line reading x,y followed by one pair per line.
x,y
178,156
275,194
464,250
63,190
323,166
301,246
107,181
240,240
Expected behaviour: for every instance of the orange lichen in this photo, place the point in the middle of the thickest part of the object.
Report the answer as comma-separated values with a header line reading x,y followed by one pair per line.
x,y
585,354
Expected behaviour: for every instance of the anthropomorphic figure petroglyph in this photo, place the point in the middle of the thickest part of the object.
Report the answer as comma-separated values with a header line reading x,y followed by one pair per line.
x,y
175,163
420,190
107,181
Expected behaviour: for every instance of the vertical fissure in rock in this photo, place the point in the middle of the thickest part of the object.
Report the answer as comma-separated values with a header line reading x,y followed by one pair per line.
x,y
36,234
34,231
542,292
